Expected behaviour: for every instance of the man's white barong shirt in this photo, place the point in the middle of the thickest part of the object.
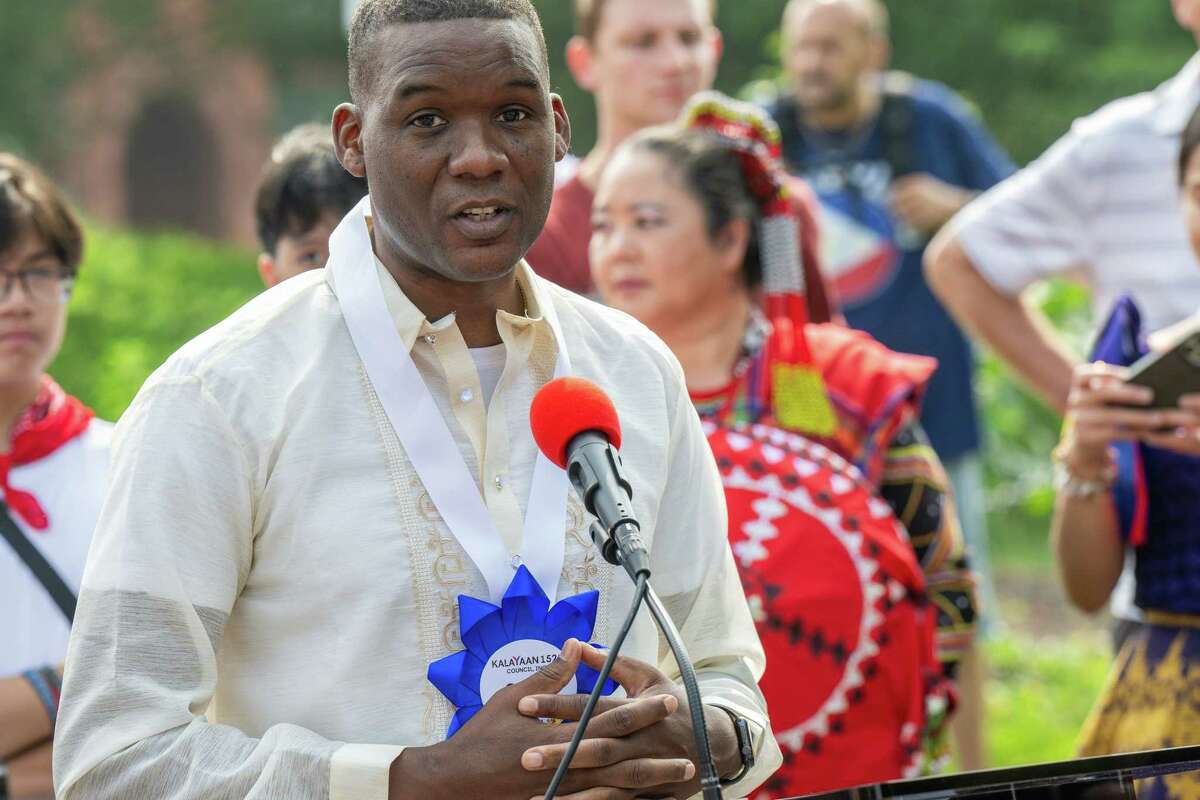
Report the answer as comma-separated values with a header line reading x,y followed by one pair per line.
x,y
269,579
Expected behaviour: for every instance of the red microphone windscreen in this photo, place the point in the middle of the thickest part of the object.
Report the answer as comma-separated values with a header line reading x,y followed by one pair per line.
x,y
565,408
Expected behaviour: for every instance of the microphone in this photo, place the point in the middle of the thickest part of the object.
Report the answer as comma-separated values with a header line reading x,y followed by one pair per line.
x,y
576,426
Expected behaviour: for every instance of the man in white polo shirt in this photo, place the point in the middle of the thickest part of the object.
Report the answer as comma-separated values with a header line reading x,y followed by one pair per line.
x,y
1101,205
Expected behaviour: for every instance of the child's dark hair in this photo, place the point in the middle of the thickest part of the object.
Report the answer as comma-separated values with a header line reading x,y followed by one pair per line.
x,y
31,203
712,173
302,181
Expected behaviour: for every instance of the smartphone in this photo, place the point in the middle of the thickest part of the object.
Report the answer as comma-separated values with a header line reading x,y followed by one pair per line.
x,y
1171,373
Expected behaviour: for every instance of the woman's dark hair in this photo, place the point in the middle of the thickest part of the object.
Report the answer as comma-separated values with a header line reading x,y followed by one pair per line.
x,y
713,173
29,201
1188,144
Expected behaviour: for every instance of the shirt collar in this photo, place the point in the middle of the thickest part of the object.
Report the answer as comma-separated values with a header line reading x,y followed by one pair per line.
x,y
412,324
539,309
1176,99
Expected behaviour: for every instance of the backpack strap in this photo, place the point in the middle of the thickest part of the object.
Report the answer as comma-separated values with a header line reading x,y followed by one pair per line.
x,y
42,569
896,122
787,116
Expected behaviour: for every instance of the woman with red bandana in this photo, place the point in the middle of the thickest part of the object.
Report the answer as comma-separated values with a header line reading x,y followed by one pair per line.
x,y
840,522
52,471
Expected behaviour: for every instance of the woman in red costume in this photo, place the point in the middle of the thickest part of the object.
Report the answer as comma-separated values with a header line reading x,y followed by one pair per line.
x,y
846,540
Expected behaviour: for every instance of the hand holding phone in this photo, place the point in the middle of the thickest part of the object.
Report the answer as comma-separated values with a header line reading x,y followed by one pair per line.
x,y
1170,374
1105,408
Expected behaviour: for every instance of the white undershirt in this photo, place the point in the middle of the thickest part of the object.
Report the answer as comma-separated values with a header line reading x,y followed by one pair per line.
x,y
489,363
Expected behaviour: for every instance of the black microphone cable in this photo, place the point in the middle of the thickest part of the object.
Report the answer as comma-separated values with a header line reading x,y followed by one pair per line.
x,y
640,589
710,781
595,471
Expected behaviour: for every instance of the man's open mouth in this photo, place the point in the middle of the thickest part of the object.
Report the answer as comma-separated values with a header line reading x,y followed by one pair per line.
x,y
483,222
480,214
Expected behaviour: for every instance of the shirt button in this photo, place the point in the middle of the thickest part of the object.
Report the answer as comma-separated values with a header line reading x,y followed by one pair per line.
x,y
499,481
431,339
466,395
515,561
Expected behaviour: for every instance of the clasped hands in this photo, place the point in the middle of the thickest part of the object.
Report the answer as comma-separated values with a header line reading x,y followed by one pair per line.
x,y
637,746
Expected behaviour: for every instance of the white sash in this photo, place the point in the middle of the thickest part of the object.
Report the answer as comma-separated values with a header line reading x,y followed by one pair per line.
x,y
423,432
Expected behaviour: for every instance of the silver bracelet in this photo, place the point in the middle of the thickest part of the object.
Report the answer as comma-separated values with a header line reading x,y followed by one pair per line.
x,y
1068,484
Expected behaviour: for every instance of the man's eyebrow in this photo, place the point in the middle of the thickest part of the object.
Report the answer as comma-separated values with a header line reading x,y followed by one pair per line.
x,y
409,89
525,83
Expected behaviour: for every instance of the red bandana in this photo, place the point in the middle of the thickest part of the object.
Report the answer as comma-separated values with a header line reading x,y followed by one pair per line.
x,y
54,419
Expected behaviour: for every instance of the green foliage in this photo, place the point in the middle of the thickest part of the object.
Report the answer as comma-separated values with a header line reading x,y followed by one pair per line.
x,y
34,71
1021,432
1040,695
287,36
138,298
1032,66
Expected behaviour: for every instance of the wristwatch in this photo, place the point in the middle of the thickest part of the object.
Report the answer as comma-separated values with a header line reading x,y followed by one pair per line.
x,y
745,743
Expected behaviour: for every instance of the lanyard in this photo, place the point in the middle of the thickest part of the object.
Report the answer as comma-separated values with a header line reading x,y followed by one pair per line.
x,y
423,433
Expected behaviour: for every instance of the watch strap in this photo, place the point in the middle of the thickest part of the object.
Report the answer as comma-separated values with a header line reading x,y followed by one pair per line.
x,y
745,744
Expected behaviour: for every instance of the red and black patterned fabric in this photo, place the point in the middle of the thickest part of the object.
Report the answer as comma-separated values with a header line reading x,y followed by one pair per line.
x,y
839,601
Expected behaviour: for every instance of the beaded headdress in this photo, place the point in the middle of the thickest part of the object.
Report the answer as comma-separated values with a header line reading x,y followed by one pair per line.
x,y
798,392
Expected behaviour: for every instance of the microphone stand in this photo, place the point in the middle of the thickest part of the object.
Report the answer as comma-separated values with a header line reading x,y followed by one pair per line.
x,y
620,547
641,587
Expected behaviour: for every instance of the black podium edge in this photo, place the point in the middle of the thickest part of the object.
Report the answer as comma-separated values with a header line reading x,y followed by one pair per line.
x,y
1141,764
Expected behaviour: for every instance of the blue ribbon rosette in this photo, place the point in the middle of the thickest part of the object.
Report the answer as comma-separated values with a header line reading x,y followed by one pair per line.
x,y
506,643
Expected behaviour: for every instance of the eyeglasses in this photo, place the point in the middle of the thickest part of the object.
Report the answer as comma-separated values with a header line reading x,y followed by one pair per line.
x,y
41,286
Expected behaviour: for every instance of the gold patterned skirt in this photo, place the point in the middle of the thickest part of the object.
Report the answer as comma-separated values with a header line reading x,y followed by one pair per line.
x,y
1152,699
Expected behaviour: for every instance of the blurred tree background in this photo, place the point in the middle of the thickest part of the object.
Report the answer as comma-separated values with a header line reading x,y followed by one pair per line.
x,y
1028,66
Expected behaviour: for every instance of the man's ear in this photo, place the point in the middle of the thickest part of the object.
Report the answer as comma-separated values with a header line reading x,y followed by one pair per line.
x,y
881,53
732,242
266,269
562,128
347,139
580,60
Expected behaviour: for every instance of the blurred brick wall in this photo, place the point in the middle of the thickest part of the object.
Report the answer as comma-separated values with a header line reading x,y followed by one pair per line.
x,y
179,63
